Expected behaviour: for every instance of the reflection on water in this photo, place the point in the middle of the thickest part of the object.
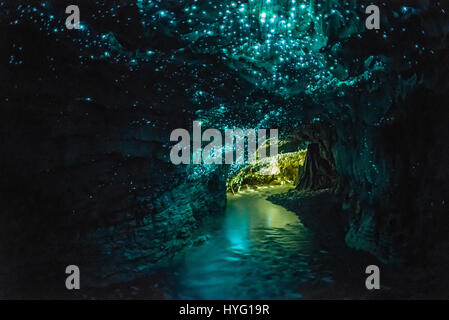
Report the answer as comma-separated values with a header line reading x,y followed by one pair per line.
x,y
257,250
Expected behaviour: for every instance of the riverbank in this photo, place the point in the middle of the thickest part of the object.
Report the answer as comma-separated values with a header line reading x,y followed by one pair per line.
x,y
319,212
261,250
256,250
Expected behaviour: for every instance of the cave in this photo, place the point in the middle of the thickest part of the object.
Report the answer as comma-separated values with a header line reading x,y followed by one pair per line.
x,y
357,175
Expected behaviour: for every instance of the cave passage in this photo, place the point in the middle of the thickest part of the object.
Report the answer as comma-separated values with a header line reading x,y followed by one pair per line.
x,y
361,178
257,250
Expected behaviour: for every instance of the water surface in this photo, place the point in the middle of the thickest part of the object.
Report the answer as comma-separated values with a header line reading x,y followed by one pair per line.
x,y
256,250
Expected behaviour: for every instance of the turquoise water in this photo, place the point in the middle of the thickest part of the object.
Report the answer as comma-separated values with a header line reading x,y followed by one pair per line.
x,y
256,250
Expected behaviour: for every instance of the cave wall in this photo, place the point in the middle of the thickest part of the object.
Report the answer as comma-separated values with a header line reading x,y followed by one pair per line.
x,y
393,184
82,186
391,152
86,177
386,134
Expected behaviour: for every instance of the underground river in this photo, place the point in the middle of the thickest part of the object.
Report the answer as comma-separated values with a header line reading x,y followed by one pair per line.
x,y
256,250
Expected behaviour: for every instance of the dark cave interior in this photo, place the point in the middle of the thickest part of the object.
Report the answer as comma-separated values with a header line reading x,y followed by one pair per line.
x,y
86,117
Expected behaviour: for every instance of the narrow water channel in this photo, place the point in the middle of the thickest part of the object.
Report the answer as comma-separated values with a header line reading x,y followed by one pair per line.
x,y
256,250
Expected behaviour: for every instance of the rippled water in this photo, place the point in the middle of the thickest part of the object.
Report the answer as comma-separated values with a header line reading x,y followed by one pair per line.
x,y
257,250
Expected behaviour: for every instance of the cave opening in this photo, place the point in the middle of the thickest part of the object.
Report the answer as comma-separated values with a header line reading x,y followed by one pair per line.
x,y
306,165
280,169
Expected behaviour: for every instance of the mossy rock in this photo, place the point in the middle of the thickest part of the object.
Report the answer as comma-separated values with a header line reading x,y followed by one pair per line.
x,y
285,168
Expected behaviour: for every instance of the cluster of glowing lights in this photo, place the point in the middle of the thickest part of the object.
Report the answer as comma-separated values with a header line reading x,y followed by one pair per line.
x,y
276,39
273,43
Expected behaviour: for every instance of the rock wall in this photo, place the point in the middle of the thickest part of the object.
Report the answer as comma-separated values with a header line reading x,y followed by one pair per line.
x,y
390,153
382,124
86,177
81,186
